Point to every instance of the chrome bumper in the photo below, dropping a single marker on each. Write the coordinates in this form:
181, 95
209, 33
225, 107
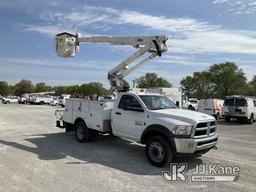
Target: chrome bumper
186, 145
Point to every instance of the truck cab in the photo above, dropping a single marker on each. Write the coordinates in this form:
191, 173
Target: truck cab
150, 119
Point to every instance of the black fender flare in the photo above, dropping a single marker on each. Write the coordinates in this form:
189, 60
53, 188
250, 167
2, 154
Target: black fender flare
162, 130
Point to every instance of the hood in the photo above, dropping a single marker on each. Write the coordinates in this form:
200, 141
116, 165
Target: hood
187, 116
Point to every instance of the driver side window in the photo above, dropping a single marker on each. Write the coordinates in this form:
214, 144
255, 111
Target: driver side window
129, 102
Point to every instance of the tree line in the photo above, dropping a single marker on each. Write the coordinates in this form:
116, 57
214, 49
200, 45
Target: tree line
219, 81
26, 86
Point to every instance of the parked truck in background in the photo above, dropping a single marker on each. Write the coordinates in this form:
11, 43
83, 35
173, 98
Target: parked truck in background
148, 118
41, 98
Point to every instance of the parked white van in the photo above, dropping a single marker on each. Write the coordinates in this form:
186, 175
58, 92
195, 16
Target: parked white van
240, 107
212, 107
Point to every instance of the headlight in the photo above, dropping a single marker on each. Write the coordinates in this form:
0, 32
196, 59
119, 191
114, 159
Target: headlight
182, 130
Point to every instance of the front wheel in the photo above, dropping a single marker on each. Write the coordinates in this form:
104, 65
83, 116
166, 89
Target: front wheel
158, 151
251, 119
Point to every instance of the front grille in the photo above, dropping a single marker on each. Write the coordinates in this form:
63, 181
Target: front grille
203, 129
200, 132
200, 125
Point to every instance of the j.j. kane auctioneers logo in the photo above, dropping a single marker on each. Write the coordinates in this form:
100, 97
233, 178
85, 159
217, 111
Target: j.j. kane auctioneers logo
201, 173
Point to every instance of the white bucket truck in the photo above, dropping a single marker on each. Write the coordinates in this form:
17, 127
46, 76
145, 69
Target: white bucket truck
150, 119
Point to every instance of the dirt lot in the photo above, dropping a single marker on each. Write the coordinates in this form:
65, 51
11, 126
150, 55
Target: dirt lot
36, 156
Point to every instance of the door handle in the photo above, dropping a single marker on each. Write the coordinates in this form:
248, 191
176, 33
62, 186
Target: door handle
118, 113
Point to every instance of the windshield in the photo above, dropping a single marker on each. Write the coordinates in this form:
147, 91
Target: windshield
155, 102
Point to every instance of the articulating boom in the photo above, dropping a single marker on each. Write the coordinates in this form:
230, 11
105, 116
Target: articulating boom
67, 45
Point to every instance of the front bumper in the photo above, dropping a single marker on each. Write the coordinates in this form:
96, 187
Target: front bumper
189, 145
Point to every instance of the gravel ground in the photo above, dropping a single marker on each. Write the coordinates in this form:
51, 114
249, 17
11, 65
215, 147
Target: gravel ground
36, 156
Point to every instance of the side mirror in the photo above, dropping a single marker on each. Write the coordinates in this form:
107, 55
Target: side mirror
138, 109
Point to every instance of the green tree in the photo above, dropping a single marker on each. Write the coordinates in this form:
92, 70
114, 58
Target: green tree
60, 90
219, 81
86, 89
228, 79
11, 89
92, 88
198, 86
24, 86
42, 87
72, 89
151, 80
252, 87
4, 88
188, 85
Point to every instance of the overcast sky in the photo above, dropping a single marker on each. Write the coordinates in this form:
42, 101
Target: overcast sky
201, 32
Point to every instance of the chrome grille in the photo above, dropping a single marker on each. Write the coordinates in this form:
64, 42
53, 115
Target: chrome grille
204, 129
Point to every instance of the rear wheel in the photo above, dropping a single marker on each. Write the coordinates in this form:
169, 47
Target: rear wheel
83, 133
41, 103
158, 151
251, 119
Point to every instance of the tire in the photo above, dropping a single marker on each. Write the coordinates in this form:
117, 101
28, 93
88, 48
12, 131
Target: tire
41, 103
8, 102
158, 151
83, 133
251, 119
227, 119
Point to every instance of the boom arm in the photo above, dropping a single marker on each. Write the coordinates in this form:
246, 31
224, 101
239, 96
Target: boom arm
67, 45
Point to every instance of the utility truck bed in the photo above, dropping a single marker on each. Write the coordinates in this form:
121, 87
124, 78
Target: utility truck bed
97, 114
